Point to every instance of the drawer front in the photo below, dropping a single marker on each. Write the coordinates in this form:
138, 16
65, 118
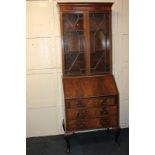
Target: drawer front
96, 123
85, 113
90, 102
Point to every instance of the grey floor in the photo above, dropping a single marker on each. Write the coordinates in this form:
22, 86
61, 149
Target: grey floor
92, 143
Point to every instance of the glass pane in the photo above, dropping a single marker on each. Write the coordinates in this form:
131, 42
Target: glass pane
74, 48
99, 37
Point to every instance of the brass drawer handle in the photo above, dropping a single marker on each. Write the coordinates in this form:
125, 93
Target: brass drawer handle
103, 101
79, 104
104, 112
80, 124
81, 114
104, 122
104, 107
108, 101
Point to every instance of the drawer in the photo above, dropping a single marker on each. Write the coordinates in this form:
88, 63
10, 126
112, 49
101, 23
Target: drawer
84, 113
90, 102
96, 123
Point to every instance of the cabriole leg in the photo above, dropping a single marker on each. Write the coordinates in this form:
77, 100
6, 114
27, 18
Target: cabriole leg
67, 139
108, 130
117, 134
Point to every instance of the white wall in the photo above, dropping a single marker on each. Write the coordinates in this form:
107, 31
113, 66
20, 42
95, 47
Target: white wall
44, 87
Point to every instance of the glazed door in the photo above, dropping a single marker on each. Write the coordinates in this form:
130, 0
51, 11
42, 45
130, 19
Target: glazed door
100, 48
86, 43
73, 43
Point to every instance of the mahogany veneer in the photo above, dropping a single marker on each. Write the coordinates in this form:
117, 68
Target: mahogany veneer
90, 91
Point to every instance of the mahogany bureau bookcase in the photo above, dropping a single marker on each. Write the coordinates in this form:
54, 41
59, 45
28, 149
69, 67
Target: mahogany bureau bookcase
90, 92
